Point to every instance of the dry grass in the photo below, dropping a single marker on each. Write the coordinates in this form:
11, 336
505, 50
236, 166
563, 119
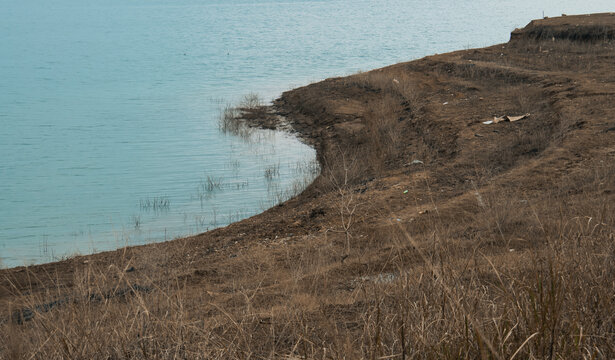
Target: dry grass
399, 85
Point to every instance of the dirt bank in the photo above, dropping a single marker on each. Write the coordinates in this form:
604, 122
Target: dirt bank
430, 230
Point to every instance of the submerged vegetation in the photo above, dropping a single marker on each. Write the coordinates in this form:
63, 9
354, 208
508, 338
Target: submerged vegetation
156, 204
136, 220
272, 171
232, 119
230, 123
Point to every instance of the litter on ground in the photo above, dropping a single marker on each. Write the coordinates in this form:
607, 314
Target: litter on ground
414, 162
497, 119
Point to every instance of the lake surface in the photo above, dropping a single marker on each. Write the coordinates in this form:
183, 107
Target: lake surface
109, 109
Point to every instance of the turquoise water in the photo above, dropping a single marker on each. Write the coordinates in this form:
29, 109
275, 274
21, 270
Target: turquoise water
109, 108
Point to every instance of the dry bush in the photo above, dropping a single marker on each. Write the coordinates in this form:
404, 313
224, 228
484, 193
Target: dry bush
236, 120
399, 100
342, 167
375, 80
250, 101
384, 135
398, 84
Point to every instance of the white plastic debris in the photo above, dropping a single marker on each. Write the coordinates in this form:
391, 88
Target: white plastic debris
497, 119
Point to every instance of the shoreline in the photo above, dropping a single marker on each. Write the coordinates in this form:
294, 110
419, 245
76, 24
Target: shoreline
289, 175
433, 181
278, 117
274, 117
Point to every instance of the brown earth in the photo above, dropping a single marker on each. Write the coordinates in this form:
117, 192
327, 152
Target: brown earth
429, 234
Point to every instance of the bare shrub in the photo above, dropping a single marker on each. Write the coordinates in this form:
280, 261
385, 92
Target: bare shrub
384, 136
398, 84
250, 101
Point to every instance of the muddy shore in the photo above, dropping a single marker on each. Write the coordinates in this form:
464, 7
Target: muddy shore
416, 183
